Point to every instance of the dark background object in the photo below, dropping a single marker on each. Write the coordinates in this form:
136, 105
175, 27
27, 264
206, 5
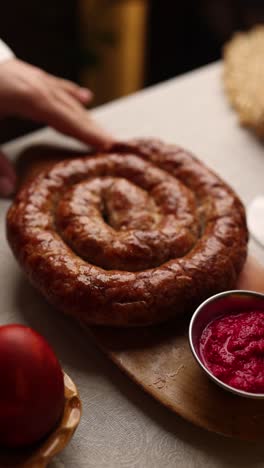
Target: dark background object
179, 39
187, 34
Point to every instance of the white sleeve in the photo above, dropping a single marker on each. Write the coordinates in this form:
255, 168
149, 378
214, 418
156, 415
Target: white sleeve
5, 52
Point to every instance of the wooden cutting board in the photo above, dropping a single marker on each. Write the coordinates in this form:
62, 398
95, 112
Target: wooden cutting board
159, 360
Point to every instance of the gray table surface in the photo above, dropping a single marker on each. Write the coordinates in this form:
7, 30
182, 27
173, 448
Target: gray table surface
121, 426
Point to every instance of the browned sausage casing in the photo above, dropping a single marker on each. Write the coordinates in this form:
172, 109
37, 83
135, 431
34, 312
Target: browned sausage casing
129, 237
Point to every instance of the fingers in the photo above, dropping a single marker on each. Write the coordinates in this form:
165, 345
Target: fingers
68, 116
7, 177
71, 118
79, 125
30, 92
82, 95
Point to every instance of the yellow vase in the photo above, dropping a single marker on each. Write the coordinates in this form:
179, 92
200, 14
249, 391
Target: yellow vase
119, 67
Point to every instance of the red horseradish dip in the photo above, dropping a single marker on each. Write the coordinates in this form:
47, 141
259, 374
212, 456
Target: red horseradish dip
232, 348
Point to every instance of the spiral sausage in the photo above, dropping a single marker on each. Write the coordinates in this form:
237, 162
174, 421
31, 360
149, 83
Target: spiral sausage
129, 237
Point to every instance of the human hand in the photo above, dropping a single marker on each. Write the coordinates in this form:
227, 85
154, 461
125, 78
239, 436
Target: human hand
27, 91
30, 92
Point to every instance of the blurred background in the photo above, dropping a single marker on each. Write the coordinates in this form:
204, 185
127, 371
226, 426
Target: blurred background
116, 47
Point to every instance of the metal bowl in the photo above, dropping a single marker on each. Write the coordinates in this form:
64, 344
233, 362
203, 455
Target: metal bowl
211, 309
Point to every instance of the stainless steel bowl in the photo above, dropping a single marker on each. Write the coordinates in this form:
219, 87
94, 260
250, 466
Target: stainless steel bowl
214, 307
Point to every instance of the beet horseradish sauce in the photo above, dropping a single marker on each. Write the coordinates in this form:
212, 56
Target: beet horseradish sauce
232, 349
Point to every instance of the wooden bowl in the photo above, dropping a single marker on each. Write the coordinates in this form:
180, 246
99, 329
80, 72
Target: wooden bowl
40, 455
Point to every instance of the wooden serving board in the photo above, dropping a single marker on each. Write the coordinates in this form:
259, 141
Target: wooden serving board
159, 359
